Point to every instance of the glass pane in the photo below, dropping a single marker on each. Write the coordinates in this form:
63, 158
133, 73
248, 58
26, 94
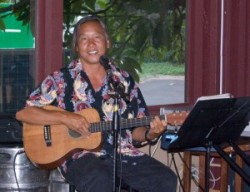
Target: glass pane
148, 40
16, 56
160, 90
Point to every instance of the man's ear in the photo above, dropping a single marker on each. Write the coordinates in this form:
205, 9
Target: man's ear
108, 44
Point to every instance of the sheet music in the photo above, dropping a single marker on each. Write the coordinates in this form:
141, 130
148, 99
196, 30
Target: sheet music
246, 132
220, 96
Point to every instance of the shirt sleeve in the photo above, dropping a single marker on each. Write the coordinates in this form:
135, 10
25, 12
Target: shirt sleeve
44, 94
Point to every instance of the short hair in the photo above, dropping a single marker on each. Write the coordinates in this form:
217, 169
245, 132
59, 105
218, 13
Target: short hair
82, 21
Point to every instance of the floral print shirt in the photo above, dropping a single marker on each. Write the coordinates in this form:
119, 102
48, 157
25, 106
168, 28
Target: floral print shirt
70, 89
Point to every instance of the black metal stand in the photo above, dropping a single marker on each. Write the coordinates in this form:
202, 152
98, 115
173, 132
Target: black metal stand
233, 164
207, 168
117, 92
116, 128
213, 124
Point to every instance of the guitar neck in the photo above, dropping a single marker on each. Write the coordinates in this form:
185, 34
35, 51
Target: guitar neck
124, 124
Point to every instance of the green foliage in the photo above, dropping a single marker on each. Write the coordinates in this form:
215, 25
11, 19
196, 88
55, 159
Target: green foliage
129, 64
153, 69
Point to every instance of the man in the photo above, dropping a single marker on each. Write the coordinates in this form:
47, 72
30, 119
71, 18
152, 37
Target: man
84, 84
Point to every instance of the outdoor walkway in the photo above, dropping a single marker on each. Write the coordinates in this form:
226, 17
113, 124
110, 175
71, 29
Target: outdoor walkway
163, 90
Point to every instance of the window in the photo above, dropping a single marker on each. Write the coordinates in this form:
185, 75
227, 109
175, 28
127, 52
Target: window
16, 57
148, 40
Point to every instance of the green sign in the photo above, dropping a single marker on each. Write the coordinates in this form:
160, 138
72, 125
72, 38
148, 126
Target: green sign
15, 34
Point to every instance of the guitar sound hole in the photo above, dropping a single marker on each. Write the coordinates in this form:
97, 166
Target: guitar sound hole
74, 133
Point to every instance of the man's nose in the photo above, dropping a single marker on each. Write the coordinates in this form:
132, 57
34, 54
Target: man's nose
91, 41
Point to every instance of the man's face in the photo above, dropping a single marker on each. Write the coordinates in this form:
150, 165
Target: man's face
92, 42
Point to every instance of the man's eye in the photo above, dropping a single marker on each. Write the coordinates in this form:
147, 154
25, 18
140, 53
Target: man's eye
98, 37
82, 39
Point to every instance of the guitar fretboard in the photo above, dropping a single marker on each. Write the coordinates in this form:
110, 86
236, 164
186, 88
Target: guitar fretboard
124, 124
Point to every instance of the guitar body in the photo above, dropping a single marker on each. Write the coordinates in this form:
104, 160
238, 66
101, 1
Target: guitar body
63, 142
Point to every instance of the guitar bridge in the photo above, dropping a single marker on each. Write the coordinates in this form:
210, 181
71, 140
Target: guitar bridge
47, 135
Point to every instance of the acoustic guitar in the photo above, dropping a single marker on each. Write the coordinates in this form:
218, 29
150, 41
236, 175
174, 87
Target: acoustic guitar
48, 145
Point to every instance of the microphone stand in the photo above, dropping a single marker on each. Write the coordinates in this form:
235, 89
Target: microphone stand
118, 92
115, 128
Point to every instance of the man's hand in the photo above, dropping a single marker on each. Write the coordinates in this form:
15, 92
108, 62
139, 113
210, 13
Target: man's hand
157, 127
76, 123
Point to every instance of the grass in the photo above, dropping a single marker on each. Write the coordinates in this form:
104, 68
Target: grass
158, 69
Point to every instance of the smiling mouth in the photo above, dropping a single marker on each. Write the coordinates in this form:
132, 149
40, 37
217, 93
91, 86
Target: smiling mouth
92, 52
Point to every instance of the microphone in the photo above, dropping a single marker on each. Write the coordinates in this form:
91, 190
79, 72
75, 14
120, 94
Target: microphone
114, 85
105, 62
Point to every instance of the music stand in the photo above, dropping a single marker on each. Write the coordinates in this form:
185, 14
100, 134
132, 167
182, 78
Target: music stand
214, 124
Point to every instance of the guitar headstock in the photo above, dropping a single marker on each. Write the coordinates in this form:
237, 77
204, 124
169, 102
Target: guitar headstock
176, 118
